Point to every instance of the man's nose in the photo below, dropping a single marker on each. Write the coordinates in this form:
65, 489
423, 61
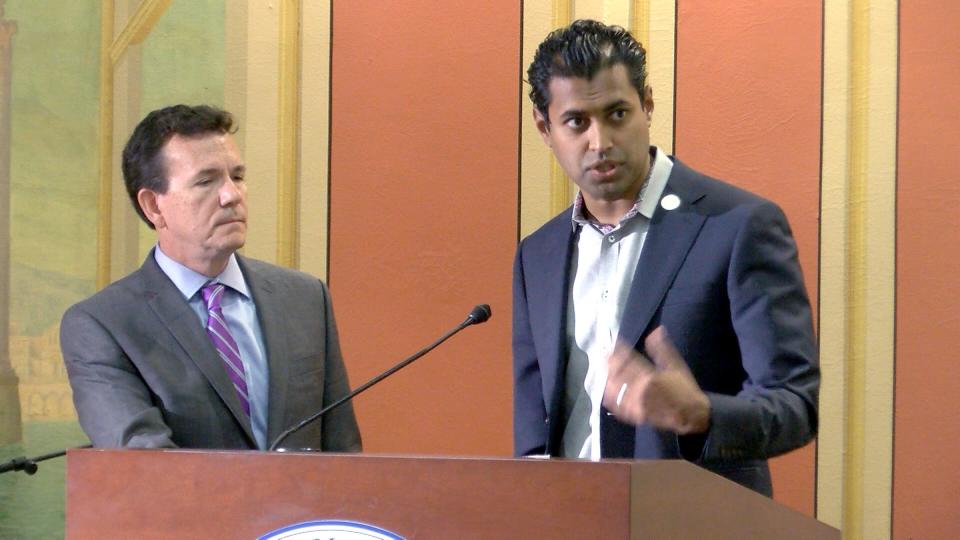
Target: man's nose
231, 192
599, 137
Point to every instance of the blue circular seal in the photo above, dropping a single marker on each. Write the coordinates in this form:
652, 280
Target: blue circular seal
329, 529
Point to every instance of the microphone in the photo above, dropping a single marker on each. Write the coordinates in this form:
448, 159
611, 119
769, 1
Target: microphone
29, 465
479, 314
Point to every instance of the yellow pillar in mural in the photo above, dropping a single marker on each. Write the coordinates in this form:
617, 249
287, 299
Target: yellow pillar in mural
9, 395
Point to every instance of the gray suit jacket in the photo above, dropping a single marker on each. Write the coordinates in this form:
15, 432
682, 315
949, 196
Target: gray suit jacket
144, 373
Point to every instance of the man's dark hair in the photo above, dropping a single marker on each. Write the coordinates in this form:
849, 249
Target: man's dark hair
581, 50
143, 164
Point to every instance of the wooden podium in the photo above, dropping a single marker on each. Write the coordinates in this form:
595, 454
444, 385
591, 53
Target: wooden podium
235, 495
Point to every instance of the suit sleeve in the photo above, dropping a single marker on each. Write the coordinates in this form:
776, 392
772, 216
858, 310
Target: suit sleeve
776, 410
113, 403
530, 428
340, 430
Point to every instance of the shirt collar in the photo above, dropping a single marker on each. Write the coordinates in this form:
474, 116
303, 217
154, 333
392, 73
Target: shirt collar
189, 281
647, 198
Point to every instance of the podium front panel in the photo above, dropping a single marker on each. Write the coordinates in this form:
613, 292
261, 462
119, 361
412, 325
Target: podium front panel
148, 494
186, 494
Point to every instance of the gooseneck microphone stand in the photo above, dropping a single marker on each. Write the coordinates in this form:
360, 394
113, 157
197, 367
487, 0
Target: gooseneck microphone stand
478, 315
29, 465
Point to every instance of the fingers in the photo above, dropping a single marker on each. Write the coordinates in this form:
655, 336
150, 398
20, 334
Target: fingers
626, 357
616, 387
622, 398
662, 393
625, 366
662, 352
627, 373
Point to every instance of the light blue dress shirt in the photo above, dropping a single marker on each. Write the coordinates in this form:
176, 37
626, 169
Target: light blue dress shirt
241, 315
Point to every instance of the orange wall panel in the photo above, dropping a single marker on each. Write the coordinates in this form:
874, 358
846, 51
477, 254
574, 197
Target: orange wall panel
423, 215
926, 472
748, 111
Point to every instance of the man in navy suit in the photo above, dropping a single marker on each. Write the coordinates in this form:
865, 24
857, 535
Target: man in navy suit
664, 315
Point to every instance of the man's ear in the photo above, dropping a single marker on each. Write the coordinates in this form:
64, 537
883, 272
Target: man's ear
648, 102
147, 200
543, 126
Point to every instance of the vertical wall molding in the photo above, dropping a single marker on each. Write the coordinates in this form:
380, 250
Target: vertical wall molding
314, 157
137, 28
654, 23
833, 261
262, 127
608, 11
105, 146
288, 147
126, 227
857, 261
536, 173
560, 189
879, 223
640, 21
855, 350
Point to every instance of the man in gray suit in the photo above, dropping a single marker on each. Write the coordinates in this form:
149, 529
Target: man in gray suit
201, 347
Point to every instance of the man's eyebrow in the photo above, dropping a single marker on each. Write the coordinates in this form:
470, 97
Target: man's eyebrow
570, 113
207, 171
617, 104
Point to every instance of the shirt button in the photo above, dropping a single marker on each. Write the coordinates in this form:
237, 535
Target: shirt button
611, 239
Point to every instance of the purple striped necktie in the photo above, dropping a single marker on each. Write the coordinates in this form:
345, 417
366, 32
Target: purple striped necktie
224, 343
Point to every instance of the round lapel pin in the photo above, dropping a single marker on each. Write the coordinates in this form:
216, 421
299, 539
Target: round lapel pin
670, 202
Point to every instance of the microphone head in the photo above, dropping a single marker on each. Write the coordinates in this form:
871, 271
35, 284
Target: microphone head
479, 314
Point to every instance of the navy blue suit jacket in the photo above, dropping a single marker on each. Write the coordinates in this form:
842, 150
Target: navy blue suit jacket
720, 272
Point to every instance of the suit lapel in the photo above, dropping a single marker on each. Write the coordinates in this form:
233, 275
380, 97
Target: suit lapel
167, 303
273, 320
669, 239
548, 297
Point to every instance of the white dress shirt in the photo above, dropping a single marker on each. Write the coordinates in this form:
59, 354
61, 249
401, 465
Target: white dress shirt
602, 268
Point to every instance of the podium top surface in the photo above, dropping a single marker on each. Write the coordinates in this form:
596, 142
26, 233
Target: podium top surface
246, 494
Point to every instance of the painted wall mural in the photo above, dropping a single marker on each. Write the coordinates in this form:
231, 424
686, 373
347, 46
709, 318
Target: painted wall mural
49, 119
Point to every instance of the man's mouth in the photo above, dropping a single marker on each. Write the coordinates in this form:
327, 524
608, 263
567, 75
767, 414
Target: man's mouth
604, 168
